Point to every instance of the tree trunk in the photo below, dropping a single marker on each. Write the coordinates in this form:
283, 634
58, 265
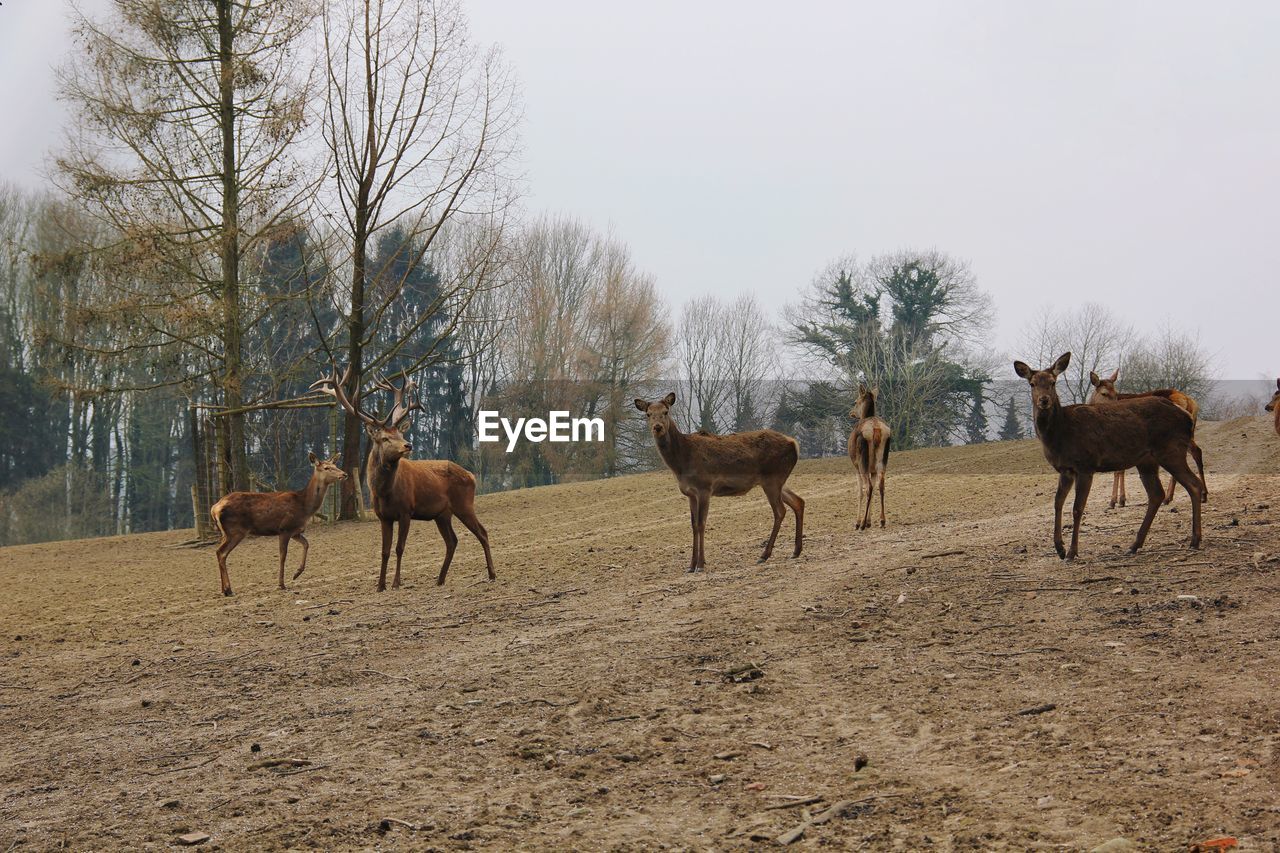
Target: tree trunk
233, 393
353, 426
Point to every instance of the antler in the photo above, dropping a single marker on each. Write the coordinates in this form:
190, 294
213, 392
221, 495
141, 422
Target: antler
400, 409
334, 384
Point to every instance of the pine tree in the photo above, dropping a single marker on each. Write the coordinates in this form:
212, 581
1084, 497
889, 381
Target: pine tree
1012, 429
976, 424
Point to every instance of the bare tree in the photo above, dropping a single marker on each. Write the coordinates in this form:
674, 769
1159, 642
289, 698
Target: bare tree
1169, 358
700, 349
750, 357
1096, 338
419, 124
187, 112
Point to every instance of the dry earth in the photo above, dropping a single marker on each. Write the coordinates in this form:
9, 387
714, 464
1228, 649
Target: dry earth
580, 702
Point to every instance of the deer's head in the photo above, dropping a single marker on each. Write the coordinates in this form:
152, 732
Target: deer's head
1275, 398
658, 413
1044, 383
327, 469
1104, 390
865, 405
385, 433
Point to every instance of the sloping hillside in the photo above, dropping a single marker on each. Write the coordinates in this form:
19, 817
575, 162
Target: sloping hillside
1000, 698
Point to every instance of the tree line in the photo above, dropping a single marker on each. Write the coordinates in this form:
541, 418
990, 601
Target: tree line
252, 190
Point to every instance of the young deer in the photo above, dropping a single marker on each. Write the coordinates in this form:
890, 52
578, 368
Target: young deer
1275, 409
405, 489
869, 450
282, 514
1104, 391
726, 466
1147, 433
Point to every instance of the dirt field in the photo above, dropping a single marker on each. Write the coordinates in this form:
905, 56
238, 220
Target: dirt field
581, 703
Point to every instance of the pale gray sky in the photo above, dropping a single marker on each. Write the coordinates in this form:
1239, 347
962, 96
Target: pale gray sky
1120, 152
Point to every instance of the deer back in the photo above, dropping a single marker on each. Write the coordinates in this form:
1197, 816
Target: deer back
739, 460
1117, 436
420, 488
261, 513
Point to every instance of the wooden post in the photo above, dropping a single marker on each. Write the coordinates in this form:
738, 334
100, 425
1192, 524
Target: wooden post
200, 484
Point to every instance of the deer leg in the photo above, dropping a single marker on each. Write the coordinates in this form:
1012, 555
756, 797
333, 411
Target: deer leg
869, 488
225, 547
1168, 494
881, 498
797, 506
386, 554
473, 524
1115, 488
306, 546
284, 552
1084, 481
1065, 480
402, 534
693, 525
773, 492
444, 523
1150, 475
1183, 474
704, 507
1199, 457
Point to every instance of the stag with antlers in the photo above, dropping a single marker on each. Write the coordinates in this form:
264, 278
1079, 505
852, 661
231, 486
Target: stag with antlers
404, 489
1147, 433
1104, 391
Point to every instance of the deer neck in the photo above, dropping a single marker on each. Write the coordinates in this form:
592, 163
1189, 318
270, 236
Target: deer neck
313, 494
381, 472
672, 447
1049, 421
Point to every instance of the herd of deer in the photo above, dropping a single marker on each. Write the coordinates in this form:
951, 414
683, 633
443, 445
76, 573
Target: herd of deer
1112, 432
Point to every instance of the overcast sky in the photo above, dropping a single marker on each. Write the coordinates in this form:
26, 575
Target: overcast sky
1124, 153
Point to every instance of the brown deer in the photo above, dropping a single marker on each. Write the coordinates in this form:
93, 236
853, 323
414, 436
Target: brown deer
1272, 407
869, 450
405, 489
1104, 391
282, 514
1147, 433
726, 466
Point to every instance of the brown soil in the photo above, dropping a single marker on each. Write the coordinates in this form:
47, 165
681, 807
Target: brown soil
580, 702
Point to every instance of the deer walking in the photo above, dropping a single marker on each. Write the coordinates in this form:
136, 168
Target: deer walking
1147, 433
1273, 408
1104, 391
282, 514
869, 451
726, 466
406, 489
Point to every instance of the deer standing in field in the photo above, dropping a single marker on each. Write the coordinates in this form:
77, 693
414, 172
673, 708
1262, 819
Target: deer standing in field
282, 514
869, 451
404, 489
1147, 433
1104, 391
1275, 409
726, 466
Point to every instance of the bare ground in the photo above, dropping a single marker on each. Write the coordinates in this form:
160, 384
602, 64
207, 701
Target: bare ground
581, 703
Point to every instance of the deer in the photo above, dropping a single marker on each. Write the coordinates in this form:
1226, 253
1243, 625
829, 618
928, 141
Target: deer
404, 490
1147, 433
726, 466
869, 451
282, 514
1104, 391
1273, 408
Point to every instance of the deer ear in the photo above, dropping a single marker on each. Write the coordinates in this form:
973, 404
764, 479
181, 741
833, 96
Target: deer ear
1060, 365
1094, 379
862, 387
1115, 374
1021, 368
313, 458
875, 390
670, 399
642, 405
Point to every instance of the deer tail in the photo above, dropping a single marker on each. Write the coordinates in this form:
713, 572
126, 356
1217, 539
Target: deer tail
215, 512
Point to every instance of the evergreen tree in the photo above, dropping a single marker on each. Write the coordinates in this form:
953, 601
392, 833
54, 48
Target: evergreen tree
976, 425
1012, 429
